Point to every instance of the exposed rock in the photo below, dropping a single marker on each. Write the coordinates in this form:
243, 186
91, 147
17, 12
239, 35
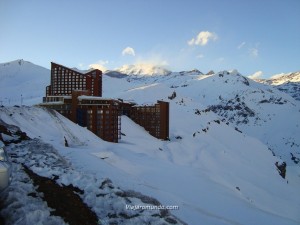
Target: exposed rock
281, 169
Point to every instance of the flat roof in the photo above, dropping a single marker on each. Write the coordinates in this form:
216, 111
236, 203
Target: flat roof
87, 97
59, 96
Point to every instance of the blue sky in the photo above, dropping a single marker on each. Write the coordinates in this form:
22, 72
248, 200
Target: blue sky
252, 36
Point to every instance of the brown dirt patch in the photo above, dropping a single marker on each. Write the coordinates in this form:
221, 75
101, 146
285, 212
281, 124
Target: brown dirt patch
64, 200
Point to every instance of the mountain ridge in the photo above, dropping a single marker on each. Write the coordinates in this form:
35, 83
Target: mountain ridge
288, 83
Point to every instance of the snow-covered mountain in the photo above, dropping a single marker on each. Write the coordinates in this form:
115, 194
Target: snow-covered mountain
22, 81
288, 83
291, 88
253, 107
284, 78
226, 134
143, 69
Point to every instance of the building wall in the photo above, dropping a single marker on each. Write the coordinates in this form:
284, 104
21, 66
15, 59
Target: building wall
164, 119
102, 117
155, 118
62, 108
64, 80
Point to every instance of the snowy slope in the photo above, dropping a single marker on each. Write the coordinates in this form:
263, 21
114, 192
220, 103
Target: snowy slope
22, 78
288, 83
284, 78
206, 173
26, 202
291, 88
258, 110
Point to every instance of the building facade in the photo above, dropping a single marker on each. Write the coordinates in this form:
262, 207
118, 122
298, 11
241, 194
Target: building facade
99, 115
64, 80
154, 118
77, 96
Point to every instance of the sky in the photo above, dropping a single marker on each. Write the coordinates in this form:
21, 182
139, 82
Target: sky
256, 37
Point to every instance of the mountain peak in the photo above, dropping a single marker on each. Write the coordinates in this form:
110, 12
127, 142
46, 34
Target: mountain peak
143, 69
19, 62
284, 78
211, 72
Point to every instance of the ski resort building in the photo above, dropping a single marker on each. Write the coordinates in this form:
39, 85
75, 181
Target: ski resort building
64, 80
154, 118
99, 115
77, 96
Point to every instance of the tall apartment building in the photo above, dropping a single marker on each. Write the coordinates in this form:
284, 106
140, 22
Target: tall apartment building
64, 80
77, 96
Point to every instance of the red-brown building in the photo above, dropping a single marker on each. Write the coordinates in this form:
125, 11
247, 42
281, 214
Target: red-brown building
99, 115
77, 96
64, 80
154, 118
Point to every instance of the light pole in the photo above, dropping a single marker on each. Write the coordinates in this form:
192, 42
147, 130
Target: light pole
21, 99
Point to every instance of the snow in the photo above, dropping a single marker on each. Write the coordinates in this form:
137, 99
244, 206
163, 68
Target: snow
43, 159
199, 174
21, 76
283, 78
214, 173
288, 83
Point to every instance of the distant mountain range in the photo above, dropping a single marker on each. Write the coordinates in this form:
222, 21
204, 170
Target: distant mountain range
288, 83
143, 69
18, 77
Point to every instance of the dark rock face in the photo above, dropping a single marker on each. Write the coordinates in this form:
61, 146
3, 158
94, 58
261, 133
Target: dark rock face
15, 134
281, 169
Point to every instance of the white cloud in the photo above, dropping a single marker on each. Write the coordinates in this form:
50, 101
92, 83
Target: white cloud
241, 45
253, 52
200, 56
128, 51
203, 38
100, 65
256, 75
